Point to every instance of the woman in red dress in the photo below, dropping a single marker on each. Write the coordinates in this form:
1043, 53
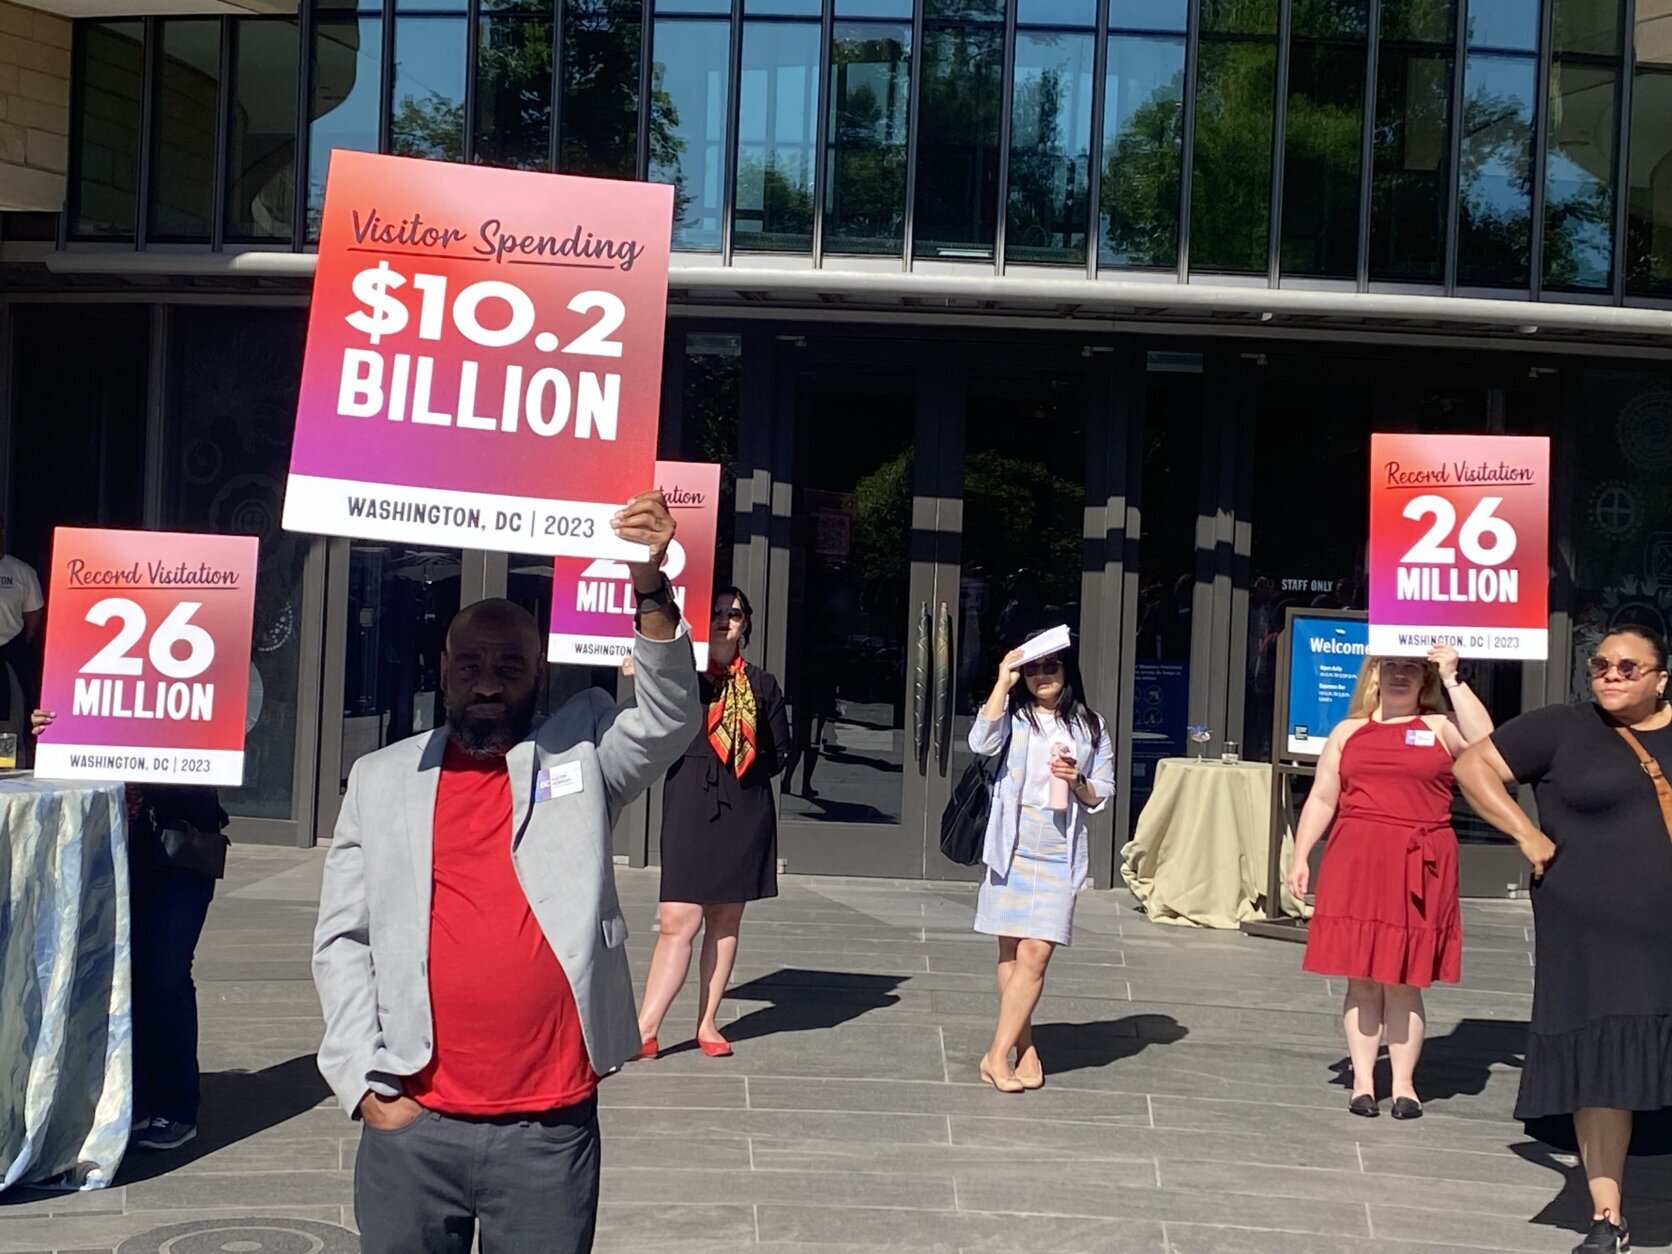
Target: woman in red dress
1386, 916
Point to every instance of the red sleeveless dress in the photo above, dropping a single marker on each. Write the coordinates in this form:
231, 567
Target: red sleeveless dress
1387, 897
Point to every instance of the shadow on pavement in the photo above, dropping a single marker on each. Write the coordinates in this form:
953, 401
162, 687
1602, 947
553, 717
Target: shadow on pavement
236, 1105
1570, 1209
1458, 1064
806, 1001
1067, 1047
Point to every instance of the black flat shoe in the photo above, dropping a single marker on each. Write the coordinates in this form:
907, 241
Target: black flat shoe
1364, 1104
1407, 1108
1604, 1238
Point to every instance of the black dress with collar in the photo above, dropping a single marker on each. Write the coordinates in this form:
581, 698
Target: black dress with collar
719, 832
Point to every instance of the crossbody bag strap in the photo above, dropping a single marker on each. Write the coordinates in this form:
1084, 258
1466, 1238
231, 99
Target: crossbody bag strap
1651, 768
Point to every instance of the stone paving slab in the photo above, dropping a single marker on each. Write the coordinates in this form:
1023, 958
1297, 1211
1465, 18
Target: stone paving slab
1196, 1101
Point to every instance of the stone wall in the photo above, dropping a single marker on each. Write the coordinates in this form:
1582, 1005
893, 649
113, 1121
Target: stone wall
34, 108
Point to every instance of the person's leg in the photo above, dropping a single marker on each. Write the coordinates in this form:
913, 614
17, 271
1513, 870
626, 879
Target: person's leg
1027, 1059
538, 1187
719, 955
1016, 1004
1604, 1136
183, 907
1362, 1020
146, 898
679, 921
411, 1187
1402, 1017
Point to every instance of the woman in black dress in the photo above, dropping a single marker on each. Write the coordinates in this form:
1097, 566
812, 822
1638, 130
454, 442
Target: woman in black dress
719, 827
1598, 1073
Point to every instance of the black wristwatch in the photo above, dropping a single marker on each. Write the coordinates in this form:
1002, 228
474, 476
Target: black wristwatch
657, 598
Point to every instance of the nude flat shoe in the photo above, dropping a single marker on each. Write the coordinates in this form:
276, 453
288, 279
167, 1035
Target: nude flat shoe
1003, 1083
1031, 1077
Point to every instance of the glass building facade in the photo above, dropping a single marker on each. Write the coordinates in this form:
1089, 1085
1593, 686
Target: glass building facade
1499, 146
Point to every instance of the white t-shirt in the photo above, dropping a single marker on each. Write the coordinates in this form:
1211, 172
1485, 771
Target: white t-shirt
20, 594
1036, 783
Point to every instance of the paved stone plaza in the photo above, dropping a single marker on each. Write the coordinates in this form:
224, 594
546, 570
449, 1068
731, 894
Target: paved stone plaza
1195, 1106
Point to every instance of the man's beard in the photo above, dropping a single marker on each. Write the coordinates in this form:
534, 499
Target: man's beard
490, 737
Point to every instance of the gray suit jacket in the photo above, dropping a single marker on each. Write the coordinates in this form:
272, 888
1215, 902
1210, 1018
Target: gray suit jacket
371, 946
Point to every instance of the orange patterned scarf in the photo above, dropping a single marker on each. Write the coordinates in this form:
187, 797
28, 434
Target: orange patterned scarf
731, 717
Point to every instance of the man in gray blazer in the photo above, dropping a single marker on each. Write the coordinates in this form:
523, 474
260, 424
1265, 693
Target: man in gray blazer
470, 949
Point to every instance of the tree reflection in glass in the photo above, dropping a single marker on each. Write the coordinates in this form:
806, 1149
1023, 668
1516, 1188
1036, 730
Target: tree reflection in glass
1050, 148
865, 183
514, 93
1143, 144
777, 119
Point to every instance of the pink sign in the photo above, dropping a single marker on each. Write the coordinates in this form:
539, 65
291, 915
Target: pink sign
147, 656
592, 602
484, 357
1460, 545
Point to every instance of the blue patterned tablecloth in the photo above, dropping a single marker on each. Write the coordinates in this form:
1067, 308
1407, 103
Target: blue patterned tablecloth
65, 1009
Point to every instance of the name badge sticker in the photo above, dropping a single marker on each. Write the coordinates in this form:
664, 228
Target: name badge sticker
558, 781
1420, 737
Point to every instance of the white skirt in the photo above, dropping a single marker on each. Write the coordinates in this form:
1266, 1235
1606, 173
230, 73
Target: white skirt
1035, 901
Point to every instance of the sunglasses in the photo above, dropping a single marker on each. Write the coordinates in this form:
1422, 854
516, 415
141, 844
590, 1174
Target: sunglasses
1629, 668
731, 615
1048, 667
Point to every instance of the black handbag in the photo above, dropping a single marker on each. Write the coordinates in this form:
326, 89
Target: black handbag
964, 821
193, 849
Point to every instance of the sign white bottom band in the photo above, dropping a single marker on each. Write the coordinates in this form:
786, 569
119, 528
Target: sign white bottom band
1527, 644
570, 649
140, 764
470, 520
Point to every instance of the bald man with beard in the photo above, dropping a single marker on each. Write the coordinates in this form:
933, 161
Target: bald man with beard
470, 953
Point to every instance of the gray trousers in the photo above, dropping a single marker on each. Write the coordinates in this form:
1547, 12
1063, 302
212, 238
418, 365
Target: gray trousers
521, 1185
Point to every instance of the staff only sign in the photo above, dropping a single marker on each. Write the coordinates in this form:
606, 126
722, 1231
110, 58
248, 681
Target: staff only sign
147, 656
1460, 545
592, 602
484, 357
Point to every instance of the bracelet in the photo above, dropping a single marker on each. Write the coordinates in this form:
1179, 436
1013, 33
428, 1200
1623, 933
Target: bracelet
1455, 685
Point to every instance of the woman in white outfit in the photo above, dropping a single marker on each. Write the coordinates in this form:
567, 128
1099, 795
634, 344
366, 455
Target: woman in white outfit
1059, 768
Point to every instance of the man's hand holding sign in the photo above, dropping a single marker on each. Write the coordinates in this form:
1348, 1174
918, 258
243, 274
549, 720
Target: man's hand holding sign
646, 521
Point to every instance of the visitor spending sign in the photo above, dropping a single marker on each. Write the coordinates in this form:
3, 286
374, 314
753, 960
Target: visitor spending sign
147, 656
593, 601
1460, 545
484, 357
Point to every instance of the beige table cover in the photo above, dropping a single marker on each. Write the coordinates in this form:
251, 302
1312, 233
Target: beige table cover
1200, 853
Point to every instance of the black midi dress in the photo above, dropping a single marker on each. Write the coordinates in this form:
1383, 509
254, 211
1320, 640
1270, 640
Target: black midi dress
1601, 1034
719, 832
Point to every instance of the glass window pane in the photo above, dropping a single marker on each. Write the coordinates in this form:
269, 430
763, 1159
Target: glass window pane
109, 73
693, 8
1239, 17
1230, 197
347, 90
1166, 15
777, 143
261, 132
1050, 149
514, 92
427, 110
874, 8
958, 143
427, 6
1412, 154
1143, 144
1591, 26
1579, 175
1056, 12
1321, 159
1324, 19
865, 167
1419, 21
600, 118
183, 136
1494, 243
1649, 203
963, 11
689, 73
782, 8
1504, 24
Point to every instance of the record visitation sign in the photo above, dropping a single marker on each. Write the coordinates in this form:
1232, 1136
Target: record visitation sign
484, 357
593, 601
1460, 545
147, 656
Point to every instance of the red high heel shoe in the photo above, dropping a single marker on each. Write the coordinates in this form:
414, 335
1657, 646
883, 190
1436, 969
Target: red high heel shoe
647, 1050
714, 1049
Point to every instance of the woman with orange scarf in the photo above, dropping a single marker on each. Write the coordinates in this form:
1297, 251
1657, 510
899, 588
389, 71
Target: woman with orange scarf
719, 828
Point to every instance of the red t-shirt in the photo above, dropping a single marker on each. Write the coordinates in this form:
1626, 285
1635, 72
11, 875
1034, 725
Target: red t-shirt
507, 1034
